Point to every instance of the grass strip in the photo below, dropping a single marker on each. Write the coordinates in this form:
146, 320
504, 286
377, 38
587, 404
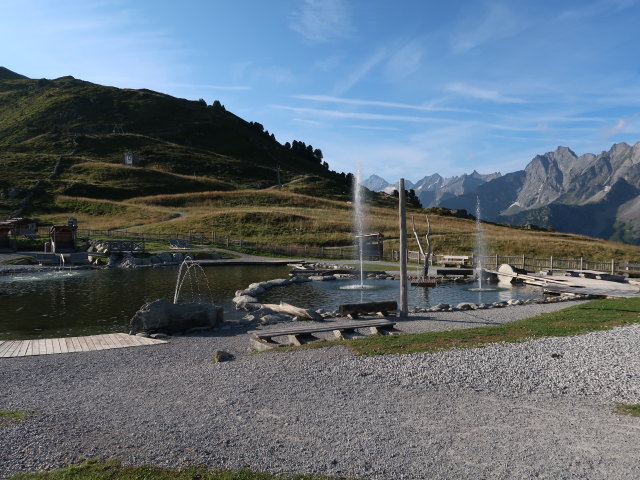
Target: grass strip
7, 417
628, 409
114, 470
588, 317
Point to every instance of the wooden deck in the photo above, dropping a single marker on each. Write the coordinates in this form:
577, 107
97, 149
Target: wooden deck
90, 343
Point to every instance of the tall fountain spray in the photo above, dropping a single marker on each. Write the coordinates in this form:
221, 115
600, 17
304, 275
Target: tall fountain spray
358, 221
480, 250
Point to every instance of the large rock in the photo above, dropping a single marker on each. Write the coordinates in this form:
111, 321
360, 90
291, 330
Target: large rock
169, 317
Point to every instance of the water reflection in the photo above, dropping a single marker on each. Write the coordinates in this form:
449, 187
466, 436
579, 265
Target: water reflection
83, 302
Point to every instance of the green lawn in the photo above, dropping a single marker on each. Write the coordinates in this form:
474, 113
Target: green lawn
588, 317
113, 470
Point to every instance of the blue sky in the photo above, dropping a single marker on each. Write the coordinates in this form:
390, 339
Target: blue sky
404, 88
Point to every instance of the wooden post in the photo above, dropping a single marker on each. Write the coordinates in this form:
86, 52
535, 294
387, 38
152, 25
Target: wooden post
404, 307
612, 266
497, 265
551, 263
523, 261
581, 264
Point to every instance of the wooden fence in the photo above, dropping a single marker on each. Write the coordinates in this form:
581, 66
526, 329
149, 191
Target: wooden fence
531, 264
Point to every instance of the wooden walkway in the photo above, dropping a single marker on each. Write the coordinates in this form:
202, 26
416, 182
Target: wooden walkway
90, 343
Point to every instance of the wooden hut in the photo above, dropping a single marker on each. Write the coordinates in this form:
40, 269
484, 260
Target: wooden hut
372, 246
24, 226
7, 237
63, 238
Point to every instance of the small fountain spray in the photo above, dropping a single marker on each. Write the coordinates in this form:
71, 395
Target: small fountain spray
358, 230
191, 271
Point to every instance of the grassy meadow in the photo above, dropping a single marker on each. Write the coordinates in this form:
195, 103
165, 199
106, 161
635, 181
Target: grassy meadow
284, 217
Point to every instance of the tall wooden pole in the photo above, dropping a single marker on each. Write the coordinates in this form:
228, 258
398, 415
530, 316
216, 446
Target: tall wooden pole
404, 306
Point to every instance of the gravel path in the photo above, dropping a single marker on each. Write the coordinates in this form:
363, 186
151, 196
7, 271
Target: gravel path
540, 409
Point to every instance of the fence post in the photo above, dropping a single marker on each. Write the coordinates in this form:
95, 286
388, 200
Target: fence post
551, 263
612, 266
523, 261
581, 264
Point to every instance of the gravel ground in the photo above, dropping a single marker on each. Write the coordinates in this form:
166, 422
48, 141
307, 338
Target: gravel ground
541, 409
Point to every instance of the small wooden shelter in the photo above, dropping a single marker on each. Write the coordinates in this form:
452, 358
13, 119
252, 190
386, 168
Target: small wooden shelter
24, 226
132, 159
372, 245
63, 238
7, 237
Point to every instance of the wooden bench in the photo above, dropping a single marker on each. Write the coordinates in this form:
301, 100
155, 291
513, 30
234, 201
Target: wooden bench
352, 310
299, 335
456, 260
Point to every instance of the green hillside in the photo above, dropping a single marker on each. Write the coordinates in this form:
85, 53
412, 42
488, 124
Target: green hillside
68, 137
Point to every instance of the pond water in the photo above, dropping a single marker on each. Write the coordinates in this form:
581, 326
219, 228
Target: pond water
84, 302
331, 294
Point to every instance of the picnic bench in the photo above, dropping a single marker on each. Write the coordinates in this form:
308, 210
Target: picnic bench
299, 335
352, 310
456, 260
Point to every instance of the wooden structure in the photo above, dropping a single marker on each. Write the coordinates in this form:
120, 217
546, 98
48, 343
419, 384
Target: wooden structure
90, 343
7, 237
23, 226
457, 260
423, 282
402, 214
132, 159
63, 238
352, 310
295, 336
372, 246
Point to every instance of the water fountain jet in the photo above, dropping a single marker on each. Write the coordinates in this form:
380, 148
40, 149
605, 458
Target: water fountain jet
479, 252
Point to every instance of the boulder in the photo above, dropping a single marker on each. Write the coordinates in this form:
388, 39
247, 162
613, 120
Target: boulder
246, 302
466, 306
171, 318
166, 257
440, 307
275, 318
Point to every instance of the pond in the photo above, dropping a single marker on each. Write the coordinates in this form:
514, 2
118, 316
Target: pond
85, 302
331, 294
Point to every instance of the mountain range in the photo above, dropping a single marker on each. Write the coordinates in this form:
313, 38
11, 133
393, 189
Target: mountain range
595, 195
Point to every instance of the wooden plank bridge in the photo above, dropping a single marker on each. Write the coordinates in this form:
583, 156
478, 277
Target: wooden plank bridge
89, 343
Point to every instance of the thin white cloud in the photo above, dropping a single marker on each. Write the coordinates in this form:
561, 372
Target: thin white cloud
405, 61
497, 22
629, 125
254, 72
481, 93
355, 115
377, 103
598, 8
370, 127
322, 21
359, 72
231, 88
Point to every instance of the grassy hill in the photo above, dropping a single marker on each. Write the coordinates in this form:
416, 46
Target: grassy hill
71, 136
